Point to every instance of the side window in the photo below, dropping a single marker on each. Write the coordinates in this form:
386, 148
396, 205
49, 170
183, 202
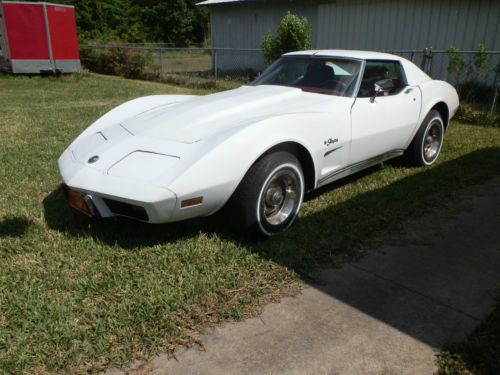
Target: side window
377, 71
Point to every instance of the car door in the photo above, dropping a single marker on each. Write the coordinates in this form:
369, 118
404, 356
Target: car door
383, 125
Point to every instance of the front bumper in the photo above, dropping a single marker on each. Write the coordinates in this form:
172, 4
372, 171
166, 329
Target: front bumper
111, 196
95, 206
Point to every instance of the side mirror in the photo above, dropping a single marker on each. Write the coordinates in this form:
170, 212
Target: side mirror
384, 85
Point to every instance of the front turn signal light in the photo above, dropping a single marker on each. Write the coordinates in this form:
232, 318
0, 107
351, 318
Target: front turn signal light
192, 202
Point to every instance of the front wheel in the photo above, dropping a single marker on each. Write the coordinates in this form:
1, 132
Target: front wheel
426, 146
269, 197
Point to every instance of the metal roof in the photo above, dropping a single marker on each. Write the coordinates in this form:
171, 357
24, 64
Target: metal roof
212, 2
36, 3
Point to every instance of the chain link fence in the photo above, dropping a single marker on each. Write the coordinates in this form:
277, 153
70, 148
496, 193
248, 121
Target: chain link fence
199, 67
194, 67
476, 74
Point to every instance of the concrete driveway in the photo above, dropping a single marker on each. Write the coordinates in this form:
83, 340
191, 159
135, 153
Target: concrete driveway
386, 314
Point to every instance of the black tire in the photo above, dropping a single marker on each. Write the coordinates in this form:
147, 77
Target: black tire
268, 199
427, 143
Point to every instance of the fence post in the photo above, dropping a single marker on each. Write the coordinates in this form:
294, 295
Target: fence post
429, 64
216, 67
422, 63
496, 87
161, 63
216, 73
426, 60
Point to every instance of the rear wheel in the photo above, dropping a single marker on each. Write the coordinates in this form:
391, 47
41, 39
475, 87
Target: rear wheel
426, 146
269, 197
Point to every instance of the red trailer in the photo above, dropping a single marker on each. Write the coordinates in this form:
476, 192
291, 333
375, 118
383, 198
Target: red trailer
38, 38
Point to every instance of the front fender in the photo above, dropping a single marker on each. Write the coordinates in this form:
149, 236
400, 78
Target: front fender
226, 159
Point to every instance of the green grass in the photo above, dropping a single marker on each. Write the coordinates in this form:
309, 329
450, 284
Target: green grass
80, 296
183, 61
478, 354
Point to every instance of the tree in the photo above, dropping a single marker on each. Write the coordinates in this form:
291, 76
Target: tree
178, 22
294, 34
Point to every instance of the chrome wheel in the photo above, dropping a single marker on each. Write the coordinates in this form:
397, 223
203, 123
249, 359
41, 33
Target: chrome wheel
280, 197
426, 145
267, 200
432, 141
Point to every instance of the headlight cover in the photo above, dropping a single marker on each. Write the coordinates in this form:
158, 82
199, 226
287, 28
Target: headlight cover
143, 166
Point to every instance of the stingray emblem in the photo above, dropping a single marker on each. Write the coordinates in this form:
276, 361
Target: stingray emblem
93, 159
330, 141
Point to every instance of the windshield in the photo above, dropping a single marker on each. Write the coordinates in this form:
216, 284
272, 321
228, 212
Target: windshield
323, 75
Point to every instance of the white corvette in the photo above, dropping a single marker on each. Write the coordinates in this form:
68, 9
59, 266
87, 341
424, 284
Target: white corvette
311, 118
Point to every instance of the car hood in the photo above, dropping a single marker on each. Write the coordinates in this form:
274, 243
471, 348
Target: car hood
201, 117
177, 131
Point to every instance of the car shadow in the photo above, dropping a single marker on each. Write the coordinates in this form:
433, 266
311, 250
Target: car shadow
127, 233
131, 234
14, 226
308, 236
328, 237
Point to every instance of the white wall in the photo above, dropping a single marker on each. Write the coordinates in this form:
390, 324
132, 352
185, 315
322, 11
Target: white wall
362, 24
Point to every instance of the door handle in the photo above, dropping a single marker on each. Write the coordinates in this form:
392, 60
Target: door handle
407, 91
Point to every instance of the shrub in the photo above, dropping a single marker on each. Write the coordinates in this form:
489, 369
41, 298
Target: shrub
467, 76
294, 34
89, 59
471, 114
114, 60
130, 64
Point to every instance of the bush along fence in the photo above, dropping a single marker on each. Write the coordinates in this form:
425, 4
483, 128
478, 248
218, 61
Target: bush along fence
192, 67
475, 74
